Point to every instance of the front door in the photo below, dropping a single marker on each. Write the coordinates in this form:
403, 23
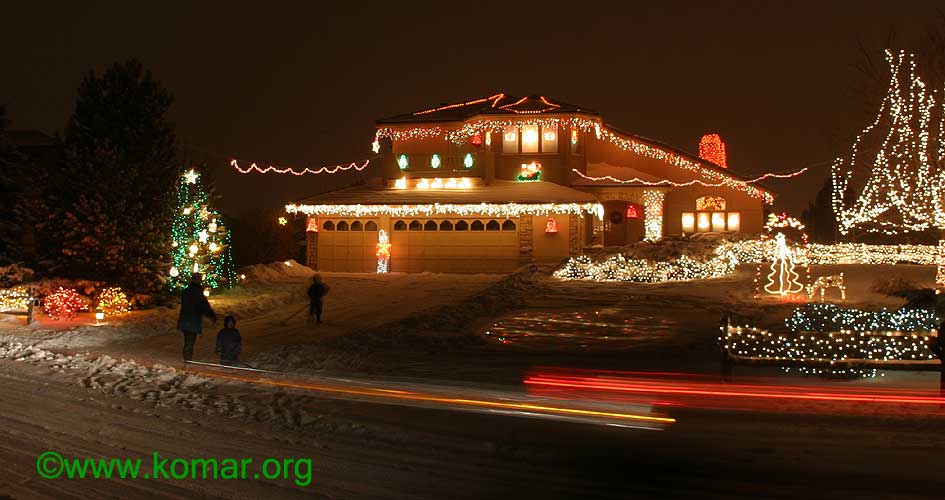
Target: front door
623, 223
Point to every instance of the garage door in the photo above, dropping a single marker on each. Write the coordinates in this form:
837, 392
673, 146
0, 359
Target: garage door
347, 245
454, 245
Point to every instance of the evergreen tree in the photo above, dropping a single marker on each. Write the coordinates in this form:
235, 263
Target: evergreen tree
11, 165
200, 240
108, 205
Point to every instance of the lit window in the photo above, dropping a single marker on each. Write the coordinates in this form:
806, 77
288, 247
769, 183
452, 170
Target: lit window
710, 203
510, 140
702, 219
734, 221
549, 140
530, 138
435, 161
688, 222
402, 162
718, 221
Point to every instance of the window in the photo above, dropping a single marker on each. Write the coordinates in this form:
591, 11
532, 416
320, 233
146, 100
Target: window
530, 138
718, 221
343, 226
510, 140
462, 226
702, 222
549, 140
328, 226
688, 222
415, 225
400, 226
370, 226
477, 225
709, 203
403, 162
430, 226
508, 225
357, 226
446, 226
435, 161
574, 140
492, 225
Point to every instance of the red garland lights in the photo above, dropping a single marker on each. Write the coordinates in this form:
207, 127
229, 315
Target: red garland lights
64, 304
333, 169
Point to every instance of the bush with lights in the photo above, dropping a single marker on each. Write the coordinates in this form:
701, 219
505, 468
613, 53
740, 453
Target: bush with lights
200, 242
113, 301
64, 304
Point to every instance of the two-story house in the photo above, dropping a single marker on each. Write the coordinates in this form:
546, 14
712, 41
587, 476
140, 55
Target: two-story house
490, 184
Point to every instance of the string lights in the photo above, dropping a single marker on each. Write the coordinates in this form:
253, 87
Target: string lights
113, 301
200, 241
63, 304
782, 280
620, 268
902, 189
382, 252
530, 172
695, 182
824, 283
16, 299
479, 126
333, 169
653, 214
832, 318
504, 210
712, 148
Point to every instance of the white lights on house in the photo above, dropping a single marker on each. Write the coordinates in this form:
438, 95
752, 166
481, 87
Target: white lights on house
504, 210
653, 214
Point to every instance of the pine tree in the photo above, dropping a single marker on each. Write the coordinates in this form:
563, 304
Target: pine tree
106, 207
199, 239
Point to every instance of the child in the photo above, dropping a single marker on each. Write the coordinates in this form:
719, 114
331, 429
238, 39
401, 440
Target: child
229, 342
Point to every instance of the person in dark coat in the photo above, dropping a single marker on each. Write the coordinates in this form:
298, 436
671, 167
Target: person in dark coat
315, 294
229, 342
193, 307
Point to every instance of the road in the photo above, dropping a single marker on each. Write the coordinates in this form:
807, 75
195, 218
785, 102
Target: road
367, 450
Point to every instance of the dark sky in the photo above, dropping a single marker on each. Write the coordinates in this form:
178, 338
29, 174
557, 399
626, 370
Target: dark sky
300, 83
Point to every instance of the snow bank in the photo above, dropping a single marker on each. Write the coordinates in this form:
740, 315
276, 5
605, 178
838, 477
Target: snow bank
289, 270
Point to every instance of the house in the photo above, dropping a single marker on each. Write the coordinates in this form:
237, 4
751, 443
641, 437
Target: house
490, 184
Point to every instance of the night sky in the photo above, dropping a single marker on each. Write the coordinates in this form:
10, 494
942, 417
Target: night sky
299, 83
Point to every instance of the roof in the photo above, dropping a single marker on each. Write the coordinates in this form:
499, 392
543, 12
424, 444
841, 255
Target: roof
495, 105
497, 192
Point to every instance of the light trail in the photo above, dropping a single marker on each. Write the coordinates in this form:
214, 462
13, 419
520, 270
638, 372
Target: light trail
732, 390
403, 395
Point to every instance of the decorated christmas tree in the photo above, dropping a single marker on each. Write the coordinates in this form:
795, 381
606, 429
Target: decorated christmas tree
199, 239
